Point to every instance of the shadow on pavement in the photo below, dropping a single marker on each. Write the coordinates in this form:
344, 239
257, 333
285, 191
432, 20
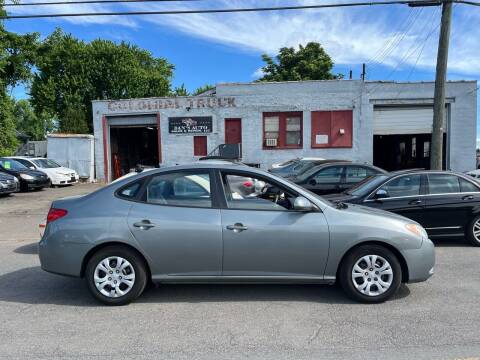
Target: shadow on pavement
29, 249
35, 286
451, 242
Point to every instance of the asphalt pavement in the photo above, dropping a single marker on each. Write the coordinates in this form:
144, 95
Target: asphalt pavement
45, 316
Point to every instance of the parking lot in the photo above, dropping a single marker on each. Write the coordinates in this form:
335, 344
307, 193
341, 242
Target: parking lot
46, 316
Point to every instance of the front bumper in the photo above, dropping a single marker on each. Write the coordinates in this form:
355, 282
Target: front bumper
65, 180
8, 188
36, 184
420, 262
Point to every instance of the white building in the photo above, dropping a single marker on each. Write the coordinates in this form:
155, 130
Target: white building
385, 123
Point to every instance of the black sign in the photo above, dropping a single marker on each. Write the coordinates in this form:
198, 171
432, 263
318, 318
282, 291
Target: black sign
190, 125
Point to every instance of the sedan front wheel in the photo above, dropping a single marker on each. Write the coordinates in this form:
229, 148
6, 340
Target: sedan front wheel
370, 273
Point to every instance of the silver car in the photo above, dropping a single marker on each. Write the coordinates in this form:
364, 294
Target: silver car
189, 224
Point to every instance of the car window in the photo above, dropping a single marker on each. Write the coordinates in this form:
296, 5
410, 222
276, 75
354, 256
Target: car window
252, 193
46, 163
355, 174
24, 162
131, 190
331, 174
467, 186
406, 185
11, 164
180, 189
443, 183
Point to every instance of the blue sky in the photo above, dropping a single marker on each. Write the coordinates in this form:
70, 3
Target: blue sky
396, 42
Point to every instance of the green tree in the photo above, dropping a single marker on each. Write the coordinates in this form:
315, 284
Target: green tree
17, 56
8, 140
309, 62
180, 91
202, 89
71, 73
28, 122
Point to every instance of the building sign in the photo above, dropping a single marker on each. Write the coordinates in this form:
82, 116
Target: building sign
171, 103
321, 139
190, 125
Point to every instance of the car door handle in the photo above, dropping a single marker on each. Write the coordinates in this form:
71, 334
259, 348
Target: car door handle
144, 225
468, 197
415, 202
237, 227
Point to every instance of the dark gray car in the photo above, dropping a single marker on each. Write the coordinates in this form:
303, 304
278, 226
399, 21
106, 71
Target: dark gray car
192, 224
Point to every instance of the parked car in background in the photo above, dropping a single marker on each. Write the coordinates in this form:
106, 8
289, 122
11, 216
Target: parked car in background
8, 184
445, 203
29, 179
295, 166
189, 224
335, 177
474, 174
57, 174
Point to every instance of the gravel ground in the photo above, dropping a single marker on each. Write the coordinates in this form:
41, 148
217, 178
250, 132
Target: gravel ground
45, 316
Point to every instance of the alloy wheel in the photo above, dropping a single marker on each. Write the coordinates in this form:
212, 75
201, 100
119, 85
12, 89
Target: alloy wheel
372, 275
476, 230
114, 276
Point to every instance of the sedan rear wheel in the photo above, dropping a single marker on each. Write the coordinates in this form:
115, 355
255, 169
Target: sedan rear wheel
370, 273
116, 275
473, 233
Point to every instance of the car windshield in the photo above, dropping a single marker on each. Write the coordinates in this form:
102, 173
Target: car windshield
366, 185
45, 163
11, 164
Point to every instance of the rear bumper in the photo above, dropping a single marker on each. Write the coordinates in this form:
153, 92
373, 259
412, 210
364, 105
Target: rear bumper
420, 262
60, 256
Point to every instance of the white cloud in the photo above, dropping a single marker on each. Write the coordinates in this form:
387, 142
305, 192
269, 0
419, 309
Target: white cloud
74, 8
397, 35
350, 35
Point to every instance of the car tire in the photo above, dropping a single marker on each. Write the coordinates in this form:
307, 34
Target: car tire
370, 286
474, 226
132, 263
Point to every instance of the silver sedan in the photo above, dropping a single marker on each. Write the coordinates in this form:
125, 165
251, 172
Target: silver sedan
196, 224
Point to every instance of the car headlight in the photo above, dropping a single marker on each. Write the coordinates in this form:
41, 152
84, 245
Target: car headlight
26, 177
417, 230
15, 180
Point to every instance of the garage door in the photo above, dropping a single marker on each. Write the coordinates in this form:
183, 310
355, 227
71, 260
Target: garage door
392, 120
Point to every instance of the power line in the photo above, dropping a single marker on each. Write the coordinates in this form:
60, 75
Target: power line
233, 10
90, 2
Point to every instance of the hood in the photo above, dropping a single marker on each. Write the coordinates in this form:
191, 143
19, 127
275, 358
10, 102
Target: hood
360, 209
4, 176
342, 197
60, 170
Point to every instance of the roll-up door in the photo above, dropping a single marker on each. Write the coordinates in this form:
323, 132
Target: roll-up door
395, 120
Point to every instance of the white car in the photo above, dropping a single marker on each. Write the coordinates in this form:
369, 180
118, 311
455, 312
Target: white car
58, 174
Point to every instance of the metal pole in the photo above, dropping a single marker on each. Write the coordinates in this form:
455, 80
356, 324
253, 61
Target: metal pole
436, 153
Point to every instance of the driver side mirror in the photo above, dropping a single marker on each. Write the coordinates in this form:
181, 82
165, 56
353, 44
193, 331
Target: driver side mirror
312, 182
380, 194
32, 167
302, 204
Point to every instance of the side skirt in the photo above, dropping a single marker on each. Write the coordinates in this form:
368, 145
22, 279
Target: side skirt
242, 280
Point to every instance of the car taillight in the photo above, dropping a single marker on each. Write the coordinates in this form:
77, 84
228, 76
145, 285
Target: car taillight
54, 214
248, 184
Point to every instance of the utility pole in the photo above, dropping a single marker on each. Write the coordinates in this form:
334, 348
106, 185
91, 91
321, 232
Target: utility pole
436, 152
